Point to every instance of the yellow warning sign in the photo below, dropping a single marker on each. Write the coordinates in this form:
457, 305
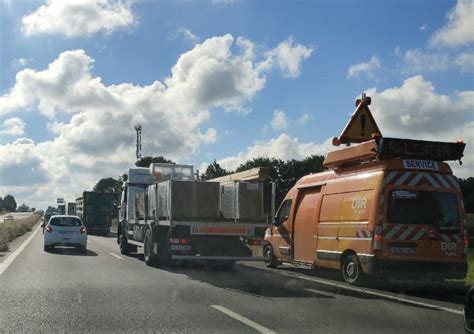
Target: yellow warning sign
361, 127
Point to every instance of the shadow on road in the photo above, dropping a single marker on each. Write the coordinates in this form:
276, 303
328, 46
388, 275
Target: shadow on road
71, 252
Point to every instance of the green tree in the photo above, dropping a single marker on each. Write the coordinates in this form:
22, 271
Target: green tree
146, 161
467, 189
8, 203
214, 170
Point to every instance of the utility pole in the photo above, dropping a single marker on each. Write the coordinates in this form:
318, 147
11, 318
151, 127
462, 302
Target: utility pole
138, 129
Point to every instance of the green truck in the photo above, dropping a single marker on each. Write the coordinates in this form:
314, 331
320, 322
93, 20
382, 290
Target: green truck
96, 210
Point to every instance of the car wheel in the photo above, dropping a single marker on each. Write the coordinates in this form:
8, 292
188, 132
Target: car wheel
271, 261
150, 258
351, 269
47, 248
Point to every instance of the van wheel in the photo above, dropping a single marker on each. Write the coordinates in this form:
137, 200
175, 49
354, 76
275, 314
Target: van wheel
271, 261
351, 269
150, 258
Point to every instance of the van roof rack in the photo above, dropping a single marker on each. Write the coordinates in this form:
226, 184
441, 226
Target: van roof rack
383, 148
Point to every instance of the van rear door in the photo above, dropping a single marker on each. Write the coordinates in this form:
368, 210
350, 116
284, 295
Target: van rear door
423, 225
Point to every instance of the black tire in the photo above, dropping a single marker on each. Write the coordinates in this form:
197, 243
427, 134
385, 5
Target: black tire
271, 261
83, 249
351, 269
124, 245
47, 248
150, 258
227, 265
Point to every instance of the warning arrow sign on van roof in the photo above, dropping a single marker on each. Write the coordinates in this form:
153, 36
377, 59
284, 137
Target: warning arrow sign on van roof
361, 127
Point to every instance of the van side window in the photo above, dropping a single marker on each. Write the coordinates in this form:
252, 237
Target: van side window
283, 212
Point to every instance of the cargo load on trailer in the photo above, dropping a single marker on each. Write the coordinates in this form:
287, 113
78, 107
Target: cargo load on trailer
387, 207
177, 218
96, 210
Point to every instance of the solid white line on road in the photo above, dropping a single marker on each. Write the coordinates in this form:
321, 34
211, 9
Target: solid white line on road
9, 260
242, 319
370, 293
117, 256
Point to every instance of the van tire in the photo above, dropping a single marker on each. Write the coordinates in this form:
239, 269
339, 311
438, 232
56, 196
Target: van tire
351, 269
150, 258
271, 261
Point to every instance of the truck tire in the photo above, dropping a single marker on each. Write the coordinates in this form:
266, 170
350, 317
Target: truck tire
351, 269
150, 258
124, 245
271, 261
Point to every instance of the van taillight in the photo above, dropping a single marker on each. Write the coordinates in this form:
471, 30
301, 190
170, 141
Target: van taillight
466, 242
378, 238
82, 230
49, 229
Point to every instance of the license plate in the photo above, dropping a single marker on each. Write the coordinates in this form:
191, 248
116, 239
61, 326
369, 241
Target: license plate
402, 250
180, 247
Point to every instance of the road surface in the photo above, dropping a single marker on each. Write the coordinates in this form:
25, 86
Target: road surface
104, 291
16, 215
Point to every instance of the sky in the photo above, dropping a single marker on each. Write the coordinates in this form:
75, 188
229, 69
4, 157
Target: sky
219, 80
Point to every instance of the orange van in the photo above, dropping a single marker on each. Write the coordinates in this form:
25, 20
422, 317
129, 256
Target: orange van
387, 207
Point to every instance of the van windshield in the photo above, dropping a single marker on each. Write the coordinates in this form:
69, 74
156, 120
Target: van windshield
438, 209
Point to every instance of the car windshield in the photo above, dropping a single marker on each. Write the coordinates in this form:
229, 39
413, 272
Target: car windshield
438, 209
65, 222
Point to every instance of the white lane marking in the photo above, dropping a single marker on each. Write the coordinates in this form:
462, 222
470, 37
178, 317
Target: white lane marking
372, 293
117, 256
9, 260
242, 319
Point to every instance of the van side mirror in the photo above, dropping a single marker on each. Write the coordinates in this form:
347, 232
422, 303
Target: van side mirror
469, 312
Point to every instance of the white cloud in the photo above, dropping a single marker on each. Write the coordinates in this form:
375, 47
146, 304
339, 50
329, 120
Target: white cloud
92, 122
279, 120
459, 30
283, 147
423, 27
186, 34
304, 119
465, 61
13, 127
74, 18
21, 62
416, 60
367, 68
288, 57
210, 136
415, 110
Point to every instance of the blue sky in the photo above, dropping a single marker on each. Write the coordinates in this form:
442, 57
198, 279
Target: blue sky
309, 60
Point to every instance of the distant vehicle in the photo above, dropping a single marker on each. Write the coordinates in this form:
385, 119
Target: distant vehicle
65, 231
62, 209
48, 214
96, 210
388, 207
176, 218
8, 218
23, 208
71, 209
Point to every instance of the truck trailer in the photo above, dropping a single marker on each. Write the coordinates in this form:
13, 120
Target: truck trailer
177, 218
96, 210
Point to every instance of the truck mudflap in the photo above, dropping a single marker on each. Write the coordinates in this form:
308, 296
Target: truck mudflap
417, 269
217, 258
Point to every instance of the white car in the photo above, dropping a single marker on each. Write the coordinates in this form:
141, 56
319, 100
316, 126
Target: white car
65, 231
8, 218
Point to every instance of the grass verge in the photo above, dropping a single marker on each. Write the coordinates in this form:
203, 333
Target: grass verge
13, 229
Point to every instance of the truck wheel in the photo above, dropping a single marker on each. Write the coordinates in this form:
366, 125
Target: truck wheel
124, 246
150, 258
351, 269
271, 261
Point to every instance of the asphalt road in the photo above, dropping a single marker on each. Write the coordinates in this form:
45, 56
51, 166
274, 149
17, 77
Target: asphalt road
15, 215
103, 291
